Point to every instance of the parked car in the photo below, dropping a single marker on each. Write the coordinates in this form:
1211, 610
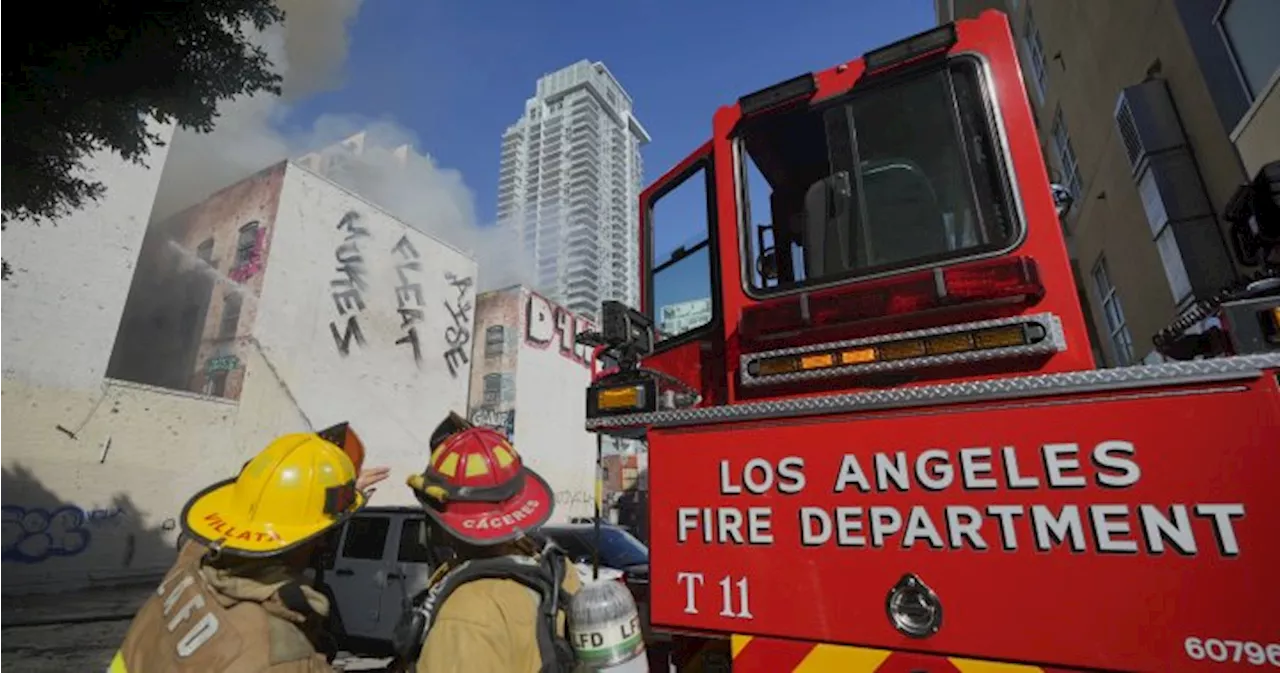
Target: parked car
381, 557
370, 569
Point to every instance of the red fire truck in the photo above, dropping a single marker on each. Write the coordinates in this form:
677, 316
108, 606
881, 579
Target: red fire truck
877, 437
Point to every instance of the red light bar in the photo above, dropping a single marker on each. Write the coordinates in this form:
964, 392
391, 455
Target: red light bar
1004, 279
1009, 277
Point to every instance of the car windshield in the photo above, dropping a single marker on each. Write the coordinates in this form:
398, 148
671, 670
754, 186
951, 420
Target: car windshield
618, 548
902, 174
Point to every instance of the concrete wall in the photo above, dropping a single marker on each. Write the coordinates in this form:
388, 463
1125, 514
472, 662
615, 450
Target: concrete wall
542, 403
494, 359
553, 376
96, 470
367, 321
63, 304
1257, 137
64, 485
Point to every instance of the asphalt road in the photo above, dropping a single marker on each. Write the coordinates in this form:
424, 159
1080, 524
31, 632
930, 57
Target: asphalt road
56, 648
60, 647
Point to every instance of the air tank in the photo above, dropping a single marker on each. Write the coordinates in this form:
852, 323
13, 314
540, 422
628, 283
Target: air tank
604, 628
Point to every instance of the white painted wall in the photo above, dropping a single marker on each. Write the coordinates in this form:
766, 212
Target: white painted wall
96, 471
62, 307
393, 401
551, 387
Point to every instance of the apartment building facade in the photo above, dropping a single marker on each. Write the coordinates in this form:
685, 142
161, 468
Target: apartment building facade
1152, 113
569, 182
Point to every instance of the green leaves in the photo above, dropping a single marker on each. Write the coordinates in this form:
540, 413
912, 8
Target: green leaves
73, 88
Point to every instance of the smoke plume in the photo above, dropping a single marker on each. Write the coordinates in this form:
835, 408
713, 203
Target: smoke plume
310, 51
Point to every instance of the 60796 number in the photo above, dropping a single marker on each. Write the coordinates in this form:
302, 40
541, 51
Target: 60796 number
1224, 650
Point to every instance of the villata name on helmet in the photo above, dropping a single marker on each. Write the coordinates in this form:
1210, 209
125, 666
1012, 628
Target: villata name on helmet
230, 532
850, 516
502, 521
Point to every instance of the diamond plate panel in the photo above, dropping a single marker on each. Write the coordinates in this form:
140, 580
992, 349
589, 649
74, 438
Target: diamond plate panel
1054, 341
1122, 378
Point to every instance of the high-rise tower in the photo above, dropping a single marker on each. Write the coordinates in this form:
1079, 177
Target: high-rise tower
569, 182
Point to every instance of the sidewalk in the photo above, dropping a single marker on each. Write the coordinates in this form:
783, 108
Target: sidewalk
86, 605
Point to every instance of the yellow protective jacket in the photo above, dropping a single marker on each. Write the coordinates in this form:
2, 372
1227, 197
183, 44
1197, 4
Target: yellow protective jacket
488, 626
251, 617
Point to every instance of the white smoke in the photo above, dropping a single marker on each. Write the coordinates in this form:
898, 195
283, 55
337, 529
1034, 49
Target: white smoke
310, 51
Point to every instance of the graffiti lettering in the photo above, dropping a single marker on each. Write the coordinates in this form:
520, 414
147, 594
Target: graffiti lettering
410, 315
502, 421
350, 283
458, 335
222, 363
246, 269
570, 498
33, 535
99, 516
546, 322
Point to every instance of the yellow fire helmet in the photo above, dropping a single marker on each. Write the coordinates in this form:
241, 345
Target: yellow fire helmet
294, 490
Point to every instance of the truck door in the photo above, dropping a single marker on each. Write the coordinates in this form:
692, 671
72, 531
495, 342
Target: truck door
360, 574
681, 265
412, 567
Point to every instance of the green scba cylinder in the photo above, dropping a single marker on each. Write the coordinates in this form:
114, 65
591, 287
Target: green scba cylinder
604, 628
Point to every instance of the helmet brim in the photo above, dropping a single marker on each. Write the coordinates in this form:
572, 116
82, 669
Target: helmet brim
209, 517
508, 520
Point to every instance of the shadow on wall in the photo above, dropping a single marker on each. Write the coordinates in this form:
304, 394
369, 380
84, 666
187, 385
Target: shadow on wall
47, 539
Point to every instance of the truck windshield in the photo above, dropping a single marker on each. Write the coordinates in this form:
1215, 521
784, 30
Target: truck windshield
903, 174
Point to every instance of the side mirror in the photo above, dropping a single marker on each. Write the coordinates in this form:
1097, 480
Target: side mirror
767, 264
1062, 199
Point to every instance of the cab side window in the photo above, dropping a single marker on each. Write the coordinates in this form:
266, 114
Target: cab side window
680, 239
415, 545
366, 538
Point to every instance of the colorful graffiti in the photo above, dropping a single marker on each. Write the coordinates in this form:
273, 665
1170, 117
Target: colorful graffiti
253, 264
410, 314
458, 335
351, 282
546, 322
222, 363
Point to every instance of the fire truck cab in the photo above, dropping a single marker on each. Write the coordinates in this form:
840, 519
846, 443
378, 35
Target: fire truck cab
877, 436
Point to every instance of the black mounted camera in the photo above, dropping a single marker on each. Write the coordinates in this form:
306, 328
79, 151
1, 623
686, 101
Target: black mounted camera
625, 333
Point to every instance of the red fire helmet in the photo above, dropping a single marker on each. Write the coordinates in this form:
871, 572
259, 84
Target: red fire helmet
477, 488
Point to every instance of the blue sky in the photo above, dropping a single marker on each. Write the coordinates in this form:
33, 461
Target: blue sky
457, 73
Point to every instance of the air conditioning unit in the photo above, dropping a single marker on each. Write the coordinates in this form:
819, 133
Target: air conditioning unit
1178, 210
1148, 122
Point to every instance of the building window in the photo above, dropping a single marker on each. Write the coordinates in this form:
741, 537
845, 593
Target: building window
1035, 56
508, 388
205, 251
1117, 328
1066, 155
230, 315
216, 384
1249, 29
246, 244
492, 389
495, 338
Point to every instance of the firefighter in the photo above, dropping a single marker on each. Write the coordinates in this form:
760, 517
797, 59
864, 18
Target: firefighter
491, 608
236, 599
